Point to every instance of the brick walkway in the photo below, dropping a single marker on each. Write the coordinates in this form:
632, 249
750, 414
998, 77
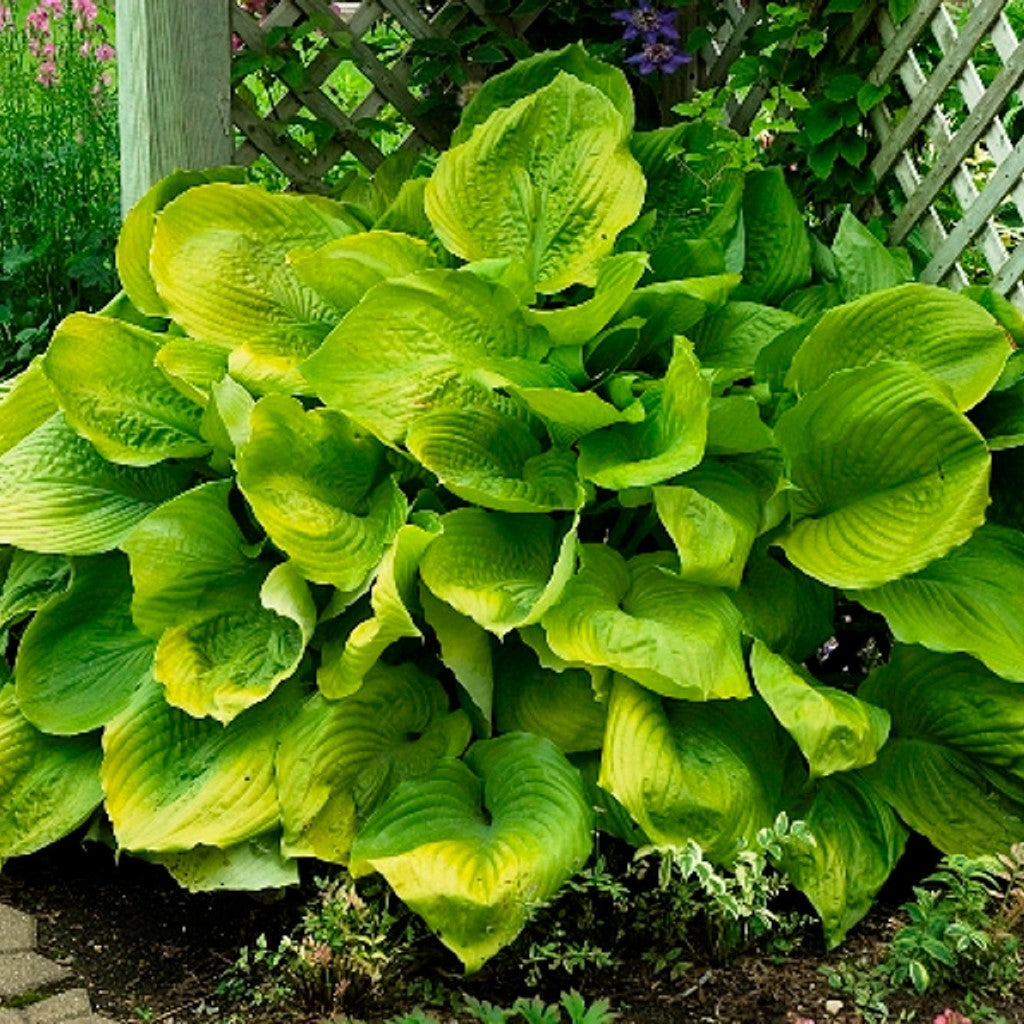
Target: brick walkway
24, 974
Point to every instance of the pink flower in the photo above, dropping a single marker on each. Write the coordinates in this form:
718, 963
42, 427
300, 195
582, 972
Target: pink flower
39, 20
57, 6
47, 73
6, 19
49, 49
949, 1016
84, 48
105, 52
85, 8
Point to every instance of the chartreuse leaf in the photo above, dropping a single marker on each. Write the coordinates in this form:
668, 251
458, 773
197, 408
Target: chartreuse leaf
526, 76
569, 415
193, 365
677, 638
394, 355
548, 180
51, 785
857, 842
173, 782
789, 611
500, 570
218, 260
558, 705
952, 766
673, 307
671, 438
472, 845
491, 457
225, 421
136, 238
219, 661
253, 865
834, 730
778, 250
81, 659
735, 426
342, 271
730, 338
346, 661
684, 770
113, 394
29, 581
26, 402
339, 760
609, 815
971, 600
59, 495
863, 263
212, 563
712, 515
888, 475
617, 276
949, 337
319, 490
466, 650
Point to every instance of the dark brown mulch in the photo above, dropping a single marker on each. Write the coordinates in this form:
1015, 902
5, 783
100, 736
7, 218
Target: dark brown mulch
148, 951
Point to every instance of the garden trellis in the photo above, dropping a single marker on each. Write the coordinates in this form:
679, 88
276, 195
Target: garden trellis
947, 167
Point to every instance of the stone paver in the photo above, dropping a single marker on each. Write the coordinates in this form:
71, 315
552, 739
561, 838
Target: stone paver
23, 972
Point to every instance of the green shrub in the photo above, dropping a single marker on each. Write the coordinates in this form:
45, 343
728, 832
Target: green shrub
417, 535
59, 212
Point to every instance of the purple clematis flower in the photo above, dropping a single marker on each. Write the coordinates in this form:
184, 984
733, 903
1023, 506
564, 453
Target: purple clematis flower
647, 23
661, 57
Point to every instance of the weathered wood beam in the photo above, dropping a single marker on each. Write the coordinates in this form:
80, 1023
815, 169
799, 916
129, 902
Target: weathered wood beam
174, 83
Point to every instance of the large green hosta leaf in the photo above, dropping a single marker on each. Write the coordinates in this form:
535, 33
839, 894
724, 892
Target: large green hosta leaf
253, 865
558, 705
971, 600
833, 729
857, 842
136, 238
673, 307
954, 765
472, 846
112, 393
501, 570
789, 611
949, 337
712, 515
29, 581
81, 658
568, 415
575, 325
492, 458
173, 782
220, 660
218, 261
26, 402
863, 263
59, 495
888, 475
394, 355
228, 631
708, 771
548, 180
731, 338
679, 639
319, 490
339, 760
343, 271
671, 438
50, 785
532, 73
347, 660
778, 250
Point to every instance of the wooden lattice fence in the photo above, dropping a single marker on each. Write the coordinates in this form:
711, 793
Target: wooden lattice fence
948, 170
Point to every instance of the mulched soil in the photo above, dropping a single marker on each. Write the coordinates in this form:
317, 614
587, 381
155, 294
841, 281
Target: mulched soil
148, 951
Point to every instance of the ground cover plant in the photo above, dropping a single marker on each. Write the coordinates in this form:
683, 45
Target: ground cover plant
59, 209
428, 534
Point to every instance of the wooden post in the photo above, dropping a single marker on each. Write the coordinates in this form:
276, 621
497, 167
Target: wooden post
174, 87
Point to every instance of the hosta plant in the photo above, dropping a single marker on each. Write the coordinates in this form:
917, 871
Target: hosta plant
425, 533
